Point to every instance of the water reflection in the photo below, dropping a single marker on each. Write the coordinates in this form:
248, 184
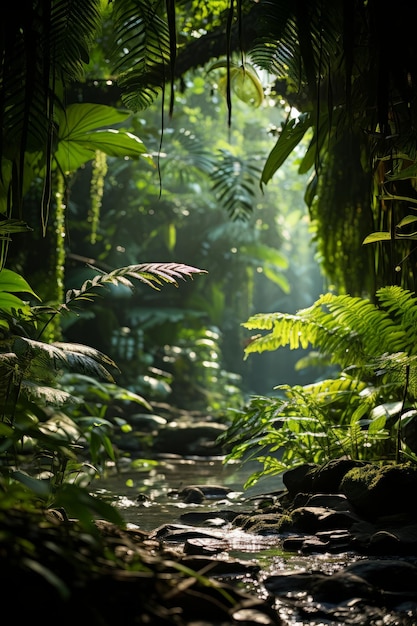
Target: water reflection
148, 499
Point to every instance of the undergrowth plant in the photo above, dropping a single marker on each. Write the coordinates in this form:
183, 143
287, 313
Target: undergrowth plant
46, 447
366, 411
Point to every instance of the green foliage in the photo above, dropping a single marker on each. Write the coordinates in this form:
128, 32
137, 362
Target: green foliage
243, 79
291, 134
312, 423
198, 376
234, 184
143, 46
351, 330
10, 284
359, 412
47, 422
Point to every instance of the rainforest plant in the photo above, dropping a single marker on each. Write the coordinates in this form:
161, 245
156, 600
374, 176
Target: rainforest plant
365, 412
38, 417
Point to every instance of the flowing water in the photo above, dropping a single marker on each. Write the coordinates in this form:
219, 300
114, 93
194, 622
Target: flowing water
147, 497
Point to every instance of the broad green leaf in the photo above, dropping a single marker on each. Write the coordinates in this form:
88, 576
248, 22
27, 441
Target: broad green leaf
265, 253
84, 118
378, 236
77, 150
81, 134
247, 86
40, 487
277, 277
10, 303
12, 282
244, 81
408, 219
291, 135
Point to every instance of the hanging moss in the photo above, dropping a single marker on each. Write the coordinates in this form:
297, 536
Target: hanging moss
96, 192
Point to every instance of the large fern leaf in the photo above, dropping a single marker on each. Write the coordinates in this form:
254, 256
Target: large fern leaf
351, 330
152, 274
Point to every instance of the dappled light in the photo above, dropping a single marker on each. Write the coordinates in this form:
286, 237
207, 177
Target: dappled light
208, 389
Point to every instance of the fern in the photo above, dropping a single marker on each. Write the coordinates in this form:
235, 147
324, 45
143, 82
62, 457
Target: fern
152, 274
314, 423
351, 330
142, 49
31, 367
358, 413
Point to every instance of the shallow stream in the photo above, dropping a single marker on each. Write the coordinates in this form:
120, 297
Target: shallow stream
146, 497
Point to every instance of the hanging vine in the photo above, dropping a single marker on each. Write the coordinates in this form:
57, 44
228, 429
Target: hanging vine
96, 192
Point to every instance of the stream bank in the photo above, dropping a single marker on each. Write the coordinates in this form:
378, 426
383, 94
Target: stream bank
327, 546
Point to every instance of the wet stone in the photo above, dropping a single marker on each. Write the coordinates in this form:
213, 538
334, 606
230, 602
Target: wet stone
205, 546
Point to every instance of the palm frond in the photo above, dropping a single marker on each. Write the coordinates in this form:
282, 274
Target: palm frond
142, 50
74, 28
290, 42
43, 45
236, 184
40, 362
187, 154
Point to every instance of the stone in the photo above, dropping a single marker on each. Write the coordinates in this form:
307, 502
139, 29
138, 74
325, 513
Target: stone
185, 438
376, 491
327, 477
300, 478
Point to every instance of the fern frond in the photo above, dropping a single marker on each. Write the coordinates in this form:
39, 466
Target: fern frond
401, 304
351, 330
152, 274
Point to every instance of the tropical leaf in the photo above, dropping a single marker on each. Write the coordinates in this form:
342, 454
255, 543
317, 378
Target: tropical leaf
14, 283
41, 361
377, 236
290, 136
11, 305
46, 395
142, 47
152, 274
235, 184
81, 134
244, 81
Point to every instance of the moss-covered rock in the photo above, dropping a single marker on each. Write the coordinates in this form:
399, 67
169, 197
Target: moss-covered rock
382, 491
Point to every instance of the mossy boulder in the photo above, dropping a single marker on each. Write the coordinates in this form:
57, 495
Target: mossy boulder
390, 490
